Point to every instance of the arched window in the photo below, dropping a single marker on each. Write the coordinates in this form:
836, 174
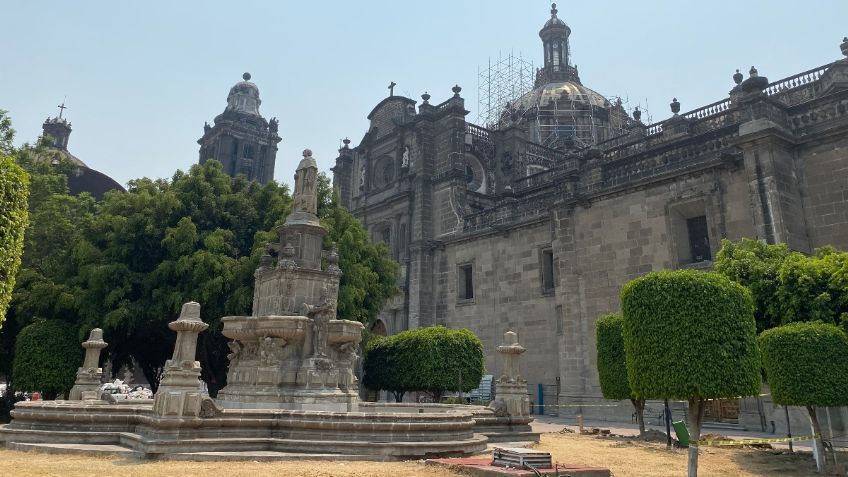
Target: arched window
384, 172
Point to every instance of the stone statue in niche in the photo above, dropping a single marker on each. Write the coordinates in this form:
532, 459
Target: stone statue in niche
346, 358
321, 315
362, 176
405, 157
235, 353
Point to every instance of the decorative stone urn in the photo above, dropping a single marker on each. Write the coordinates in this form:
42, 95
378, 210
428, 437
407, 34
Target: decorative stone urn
511, 397
179, 392
89, 375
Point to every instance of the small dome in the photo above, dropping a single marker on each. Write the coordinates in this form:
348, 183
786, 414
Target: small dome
244, 97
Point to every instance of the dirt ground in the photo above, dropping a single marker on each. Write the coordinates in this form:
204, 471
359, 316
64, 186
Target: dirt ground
624, 456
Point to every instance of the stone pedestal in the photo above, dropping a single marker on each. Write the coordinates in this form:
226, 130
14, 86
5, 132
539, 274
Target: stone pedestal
89, 376
511, 397
179, 393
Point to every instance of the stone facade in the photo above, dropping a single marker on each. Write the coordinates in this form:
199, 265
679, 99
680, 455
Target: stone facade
241, 139
497, 232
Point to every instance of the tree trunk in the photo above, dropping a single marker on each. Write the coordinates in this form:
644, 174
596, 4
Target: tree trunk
398, 395
696, 415
817, 441
639, 405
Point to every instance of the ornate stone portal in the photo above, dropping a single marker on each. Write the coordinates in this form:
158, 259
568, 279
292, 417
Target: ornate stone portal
292, 352
89, 375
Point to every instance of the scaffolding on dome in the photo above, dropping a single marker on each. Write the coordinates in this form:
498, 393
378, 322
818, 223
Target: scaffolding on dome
573, 122
505, 79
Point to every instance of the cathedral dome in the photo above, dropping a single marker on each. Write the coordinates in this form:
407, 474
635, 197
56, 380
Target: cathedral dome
244, 97
559, 94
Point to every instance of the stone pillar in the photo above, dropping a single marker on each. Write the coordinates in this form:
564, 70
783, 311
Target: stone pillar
511, 397
179, 393
87, 384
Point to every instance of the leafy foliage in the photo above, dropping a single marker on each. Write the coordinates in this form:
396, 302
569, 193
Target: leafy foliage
612, 366
689, 334
756, 265
433, 359
806, 364
13, 221
789, 286
47, 355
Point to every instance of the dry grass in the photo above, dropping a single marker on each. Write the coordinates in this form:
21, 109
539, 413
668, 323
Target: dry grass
14, 463
626, 458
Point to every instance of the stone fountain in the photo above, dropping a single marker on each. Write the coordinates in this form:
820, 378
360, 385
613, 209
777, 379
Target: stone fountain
290, 384
292, 352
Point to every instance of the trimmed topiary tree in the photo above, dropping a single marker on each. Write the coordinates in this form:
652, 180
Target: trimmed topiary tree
690, 335
612, 366
47, 355
434, 359
383, 366
807, 365
13, 221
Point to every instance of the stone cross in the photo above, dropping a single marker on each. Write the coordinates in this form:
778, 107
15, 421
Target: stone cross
62, 109
392, 88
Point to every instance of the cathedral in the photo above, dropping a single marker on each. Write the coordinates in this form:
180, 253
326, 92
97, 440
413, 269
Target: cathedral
534, 223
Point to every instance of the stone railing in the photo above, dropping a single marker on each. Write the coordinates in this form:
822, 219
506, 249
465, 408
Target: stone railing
478, 131
800, 80
708, 110
642, 166
512, 212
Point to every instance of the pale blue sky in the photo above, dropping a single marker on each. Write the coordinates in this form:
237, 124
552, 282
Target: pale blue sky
142, 77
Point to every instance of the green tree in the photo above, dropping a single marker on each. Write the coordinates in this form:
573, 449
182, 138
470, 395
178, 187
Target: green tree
755, 265
788, 286
47, 355
690, 335
386, 368
612, 365
433, 359
807, 365
197, 238
13, 221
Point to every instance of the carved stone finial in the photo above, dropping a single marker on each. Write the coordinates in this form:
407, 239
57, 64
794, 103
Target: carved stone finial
346, 143
675, 106
844, 46
246, 76
456, 89
426, 97
90, 373
637, 115
753, 72
737, 78
179, 392
554, 10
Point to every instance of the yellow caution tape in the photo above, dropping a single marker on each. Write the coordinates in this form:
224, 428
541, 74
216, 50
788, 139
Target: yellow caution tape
745, 442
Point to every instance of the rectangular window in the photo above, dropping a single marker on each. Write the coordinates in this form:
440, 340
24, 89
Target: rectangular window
465, 282
699, 239
548, 283
559, 318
